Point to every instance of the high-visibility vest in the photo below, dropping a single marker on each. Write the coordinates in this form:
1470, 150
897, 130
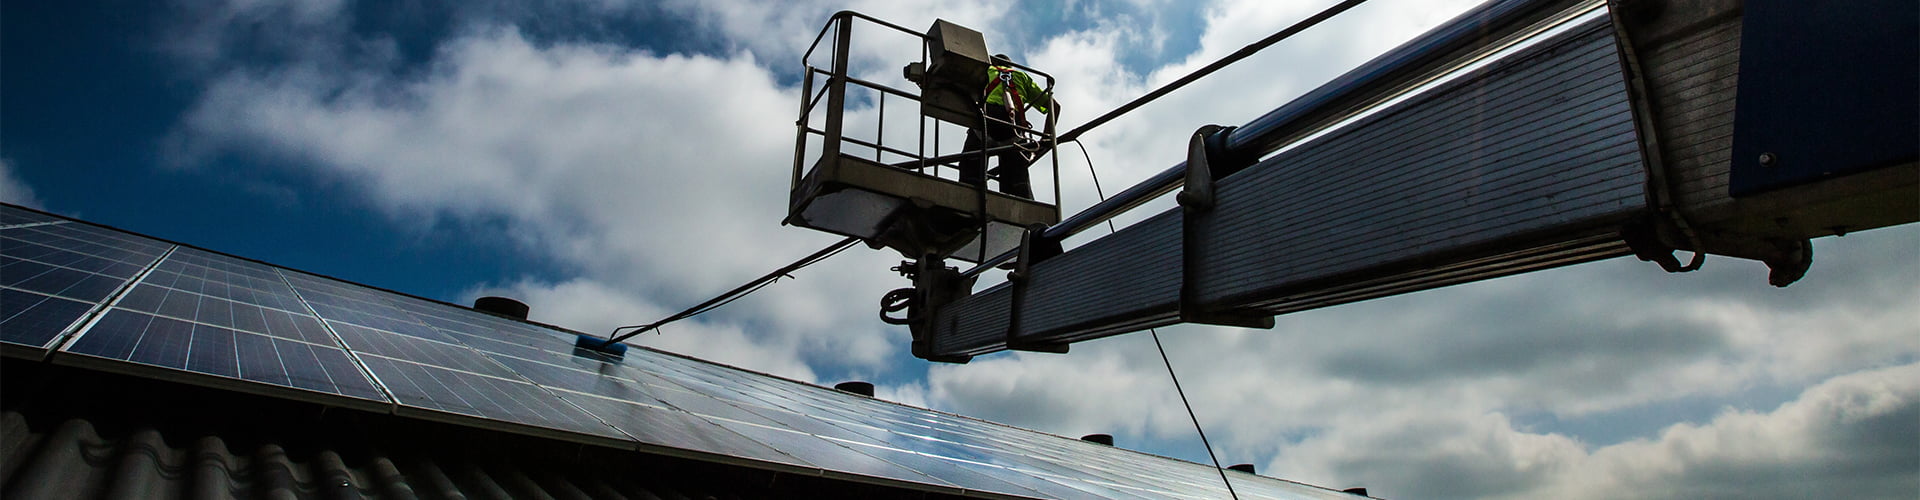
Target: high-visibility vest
1011, 87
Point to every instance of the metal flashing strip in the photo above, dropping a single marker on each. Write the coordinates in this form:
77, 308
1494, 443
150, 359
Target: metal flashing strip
93, 316
32, 224
392, 404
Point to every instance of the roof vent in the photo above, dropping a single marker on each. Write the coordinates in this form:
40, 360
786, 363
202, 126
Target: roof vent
856, 387
1362, 491
502, 306
1247, 468
1106, 439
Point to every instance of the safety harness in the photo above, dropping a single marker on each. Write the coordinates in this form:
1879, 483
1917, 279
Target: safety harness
1016, 108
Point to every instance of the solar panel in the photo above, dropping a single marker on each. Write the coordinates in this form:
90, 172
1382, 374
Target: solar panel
671, 404
211, 319
216, 320
667, 401
15, 216
54, 273
431, 375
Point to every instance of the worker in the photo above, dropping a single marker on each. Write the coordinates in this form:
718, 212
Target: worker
1008, 92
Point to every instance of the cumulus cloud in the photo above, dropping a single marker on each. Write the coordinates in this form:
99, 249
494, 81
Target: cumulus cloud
13, 190
1850, 436
1415, 395
1443, 454
213, 35
657, 179
659, 176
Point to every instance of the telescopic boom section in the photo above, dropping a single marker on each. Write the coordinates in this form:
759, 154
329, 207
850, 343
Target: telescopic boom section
1521, 136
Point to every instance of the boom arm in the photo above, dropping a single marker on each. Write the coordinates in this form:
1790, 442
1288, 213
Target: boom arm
1608, 136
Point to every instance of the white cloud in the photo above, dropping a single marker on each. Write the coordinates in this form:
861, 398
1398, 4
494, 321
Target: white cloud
207, 35
1850, 436
656, 176
13, 190
1405, 392
659, 180
1438, 454
779, 32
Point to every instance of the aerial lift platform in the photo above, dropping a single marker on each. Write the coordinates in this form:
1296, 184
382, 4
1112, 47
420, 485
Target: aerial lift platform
1523, 135
907, 197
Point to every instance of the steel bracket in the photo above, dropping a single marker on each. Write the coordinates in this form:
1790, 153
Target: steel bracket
1206, 161
1034, 247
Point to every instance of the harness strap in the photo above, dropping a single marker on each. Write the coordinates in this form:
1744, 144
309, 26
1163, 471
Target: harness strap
1016, 108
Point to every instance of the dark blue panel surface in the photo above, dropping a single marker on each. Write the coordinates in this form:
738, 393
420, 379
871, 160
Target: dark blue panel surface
216, 320
481, 396
451, 356
9, 215
1827, 88
55, 275
222, 352
216, 316
425, 367
215, 354
33, 319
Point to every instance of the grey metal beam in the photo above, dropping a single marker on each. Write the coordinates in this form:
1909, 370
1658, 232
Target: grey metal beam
1527, 163
1374, 81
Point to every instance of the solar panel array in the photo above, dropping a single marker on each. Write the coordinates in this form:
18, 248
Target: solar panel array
225, 318
84, 295
54, 273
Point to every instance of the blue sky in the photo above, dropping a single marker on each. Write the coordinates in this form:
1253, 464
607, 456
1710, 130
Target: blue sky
613, 161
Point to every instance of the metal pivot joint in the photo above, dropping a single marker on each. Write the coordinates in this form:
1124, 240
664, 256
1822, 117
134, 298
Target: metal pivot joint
1207, 160
934, 286
1655, 238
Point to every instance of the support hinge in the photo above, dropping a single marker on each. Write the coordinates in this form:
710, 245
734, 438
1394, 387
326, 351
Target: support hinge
934, 286
1204, 151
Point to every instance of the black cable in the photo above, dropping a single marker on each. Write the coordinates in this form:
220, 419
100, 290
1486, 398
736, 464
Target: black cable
1096, 180
1243, 53
737, 292
1196, 419
1155, 332
1236, 56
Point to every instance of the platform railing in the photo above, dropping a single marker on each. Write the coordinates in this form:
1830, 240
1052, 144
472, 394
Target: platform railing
829, 81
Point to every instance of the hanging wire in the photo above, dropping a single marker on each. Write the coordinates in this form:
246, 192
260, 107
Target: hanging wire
1236, 56
1244, 52
1155, 332
1070, 136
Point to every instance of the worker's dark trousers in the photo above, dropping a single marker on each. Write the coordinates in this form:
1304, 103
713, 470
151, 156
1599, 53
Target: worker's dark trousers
1012, 168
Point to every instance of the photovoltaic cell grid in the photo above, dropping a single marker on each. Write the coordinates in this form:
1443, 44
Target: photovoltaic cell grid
425, 369
217, 316
53, 273
10, 216
668, 401
241, 321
